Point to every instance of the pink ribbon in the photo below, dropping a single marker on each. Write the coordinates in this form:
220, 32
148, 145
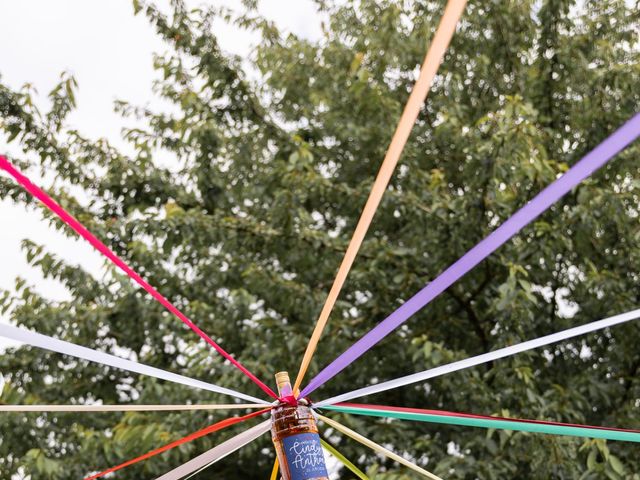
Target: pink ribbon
102, 248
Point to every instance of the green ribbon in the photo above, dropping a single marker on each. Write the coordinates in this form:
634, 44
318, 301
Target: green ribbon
496, 424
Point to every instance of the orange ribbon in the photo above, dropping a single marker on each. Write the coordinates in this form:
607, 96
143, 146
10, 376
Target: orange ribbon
434, 57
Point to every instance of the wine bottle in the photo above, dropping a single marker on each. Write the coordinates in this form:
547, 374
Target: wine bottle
295, 436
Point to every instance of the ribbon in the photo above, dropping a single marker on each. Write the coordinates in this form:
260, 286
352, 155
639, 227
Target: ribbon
377, 448
598, 157
471, 415
484, 358
189, 438
274, 471
432, 61
355, 470
450, 418
126, 408
217, 453
60, 346
102, 248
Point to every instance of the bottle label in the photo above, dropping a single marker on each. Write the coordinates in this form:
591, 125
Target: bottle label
304, 456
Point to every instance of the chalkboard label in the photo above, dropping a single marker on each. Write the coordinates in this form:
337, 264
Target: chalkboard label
304, 456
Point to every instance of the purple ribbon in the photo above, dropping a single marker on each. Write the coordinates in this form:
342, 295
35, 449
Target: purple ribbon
594, 160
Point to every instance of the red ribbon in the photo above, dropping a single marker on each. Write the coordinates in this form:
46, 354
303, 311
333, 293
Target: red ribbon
290, 400
102, 248
200, 433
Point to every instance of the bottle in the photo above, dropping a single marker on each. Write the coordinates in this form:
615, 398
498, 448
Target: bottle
295, 436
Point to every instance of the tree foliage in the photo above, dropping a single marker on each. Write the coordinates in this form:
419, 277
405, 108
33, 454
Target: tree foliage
245, 226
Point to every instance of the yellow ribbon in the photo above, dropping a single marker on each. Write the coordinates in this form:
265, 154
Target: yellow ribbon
355, 470
377, 448
432, 61
274, 472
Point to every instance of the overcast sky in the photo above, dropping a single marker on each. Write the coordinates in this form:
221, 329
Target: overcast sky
109, 51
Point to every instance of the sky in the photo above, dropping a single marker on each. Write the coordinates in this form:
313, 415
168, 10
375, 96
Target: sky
109, 51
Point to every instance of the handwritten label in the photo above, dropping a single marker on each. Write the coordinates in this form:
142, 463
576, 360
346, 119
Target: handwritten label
304, 456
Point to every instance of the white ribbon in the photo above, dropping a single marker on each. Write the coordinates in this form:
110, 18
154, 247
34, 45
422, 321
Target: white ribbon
125, 408
60, 346
217, 453
484, 358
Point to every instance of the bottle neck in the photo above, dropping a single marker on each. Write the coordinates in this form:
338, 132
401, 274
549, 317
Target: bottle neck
284, 384
285, 390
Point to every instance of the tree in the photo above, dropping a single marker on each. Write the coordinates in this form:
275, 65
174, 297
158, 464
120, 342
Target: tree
246, 228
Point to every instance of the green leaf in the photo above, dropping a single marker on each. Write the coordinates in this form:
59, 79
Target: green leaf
616, 464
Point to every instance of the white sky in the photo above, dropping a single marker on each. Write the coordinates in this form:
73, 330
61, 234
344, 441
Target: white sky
109, 50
